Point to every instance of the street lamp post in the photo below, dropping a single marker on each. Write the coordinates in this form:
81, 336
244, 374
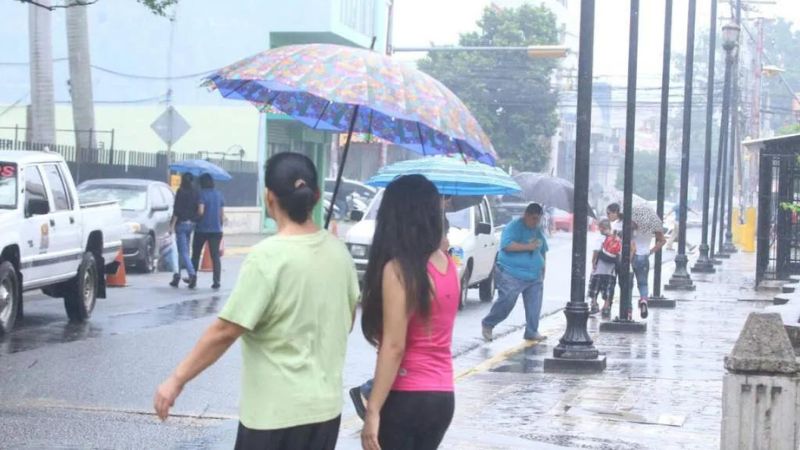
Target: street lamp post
728, 247
658, 300
575, 350
625, 320
704, 264
681, 280
730, 39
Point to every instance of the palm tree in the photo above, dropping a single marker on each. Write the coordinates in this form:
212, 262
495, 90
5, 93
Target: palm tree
80, 78
41, 115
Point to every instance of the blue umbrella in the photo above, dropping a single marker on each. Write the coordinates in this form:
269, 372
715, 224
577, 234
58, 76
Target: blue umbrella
452, 176
198, 167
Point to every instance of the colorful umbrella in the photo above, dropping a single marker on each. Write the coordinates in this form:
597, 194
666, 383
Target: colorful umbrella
451, 175
346, 89
198, 167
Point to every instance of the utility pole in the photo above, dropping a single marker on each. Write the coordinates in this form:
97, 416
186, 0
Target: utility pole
42, 113
80, 79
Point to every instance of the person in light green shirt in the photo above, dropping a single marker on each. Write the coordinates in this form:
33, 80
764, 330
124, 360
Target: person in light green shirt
293, 306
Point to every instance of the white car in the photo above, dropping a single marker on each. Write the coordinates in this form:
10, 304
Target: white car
473, 244
48, 240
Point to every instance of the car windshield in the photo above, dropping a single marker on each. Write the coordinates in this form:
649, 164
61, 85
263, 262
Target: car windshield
130, 198
458, 219
8, 185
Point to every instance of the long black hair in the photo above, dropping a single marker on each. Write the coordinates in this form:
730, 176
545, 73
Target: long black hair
408, 230
187, 181
292, 178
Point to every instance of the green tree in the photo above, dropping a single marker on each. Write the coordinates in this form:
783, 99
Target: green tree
645, 179
159, 7
508, 92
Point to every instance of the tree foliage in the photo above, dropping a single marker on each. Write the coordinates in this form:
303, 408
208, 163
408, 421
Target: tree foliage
508, 92
645, 180
159, 7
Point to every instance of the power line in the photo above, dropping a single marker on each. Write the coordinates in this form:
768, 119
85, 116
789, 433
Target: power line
124, 74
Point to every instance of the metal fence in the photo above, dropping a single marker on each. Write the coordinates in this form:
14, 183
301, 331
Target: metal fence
90, 164
778, 251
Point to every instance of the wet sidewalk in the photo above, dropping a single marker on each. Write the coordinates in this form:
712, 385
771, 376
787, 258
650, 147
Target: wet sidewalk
662, 389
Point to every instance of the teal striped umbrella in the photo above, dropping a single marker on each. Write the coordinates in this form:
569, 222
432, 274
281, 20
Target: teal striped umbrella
452, 175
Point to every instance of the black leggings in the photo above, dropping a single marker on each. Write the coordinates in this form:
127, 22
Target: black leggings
214, 240
314, 436
415, 420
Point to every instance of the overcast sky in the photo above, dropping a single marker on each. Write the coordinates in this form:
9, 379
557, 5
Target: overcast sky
421, 22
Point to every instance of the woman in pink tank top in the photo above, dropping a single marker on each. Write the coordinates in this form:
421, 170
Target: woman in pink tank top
410, 300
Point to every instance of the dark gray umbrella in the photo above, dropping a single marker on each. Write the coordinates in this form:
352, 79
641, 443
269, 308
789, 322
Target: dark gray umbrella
548, 190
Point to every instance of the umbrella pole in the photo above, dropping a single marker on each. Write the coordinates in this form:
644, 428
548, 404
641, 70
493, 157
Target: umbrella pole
341, 165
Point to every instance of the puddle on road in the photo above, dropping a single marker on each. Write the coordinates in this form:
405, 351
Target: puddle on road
39, 330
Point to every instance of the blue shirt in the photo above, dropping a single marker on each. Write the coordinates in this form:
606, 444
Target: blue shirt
525, 266
211, 222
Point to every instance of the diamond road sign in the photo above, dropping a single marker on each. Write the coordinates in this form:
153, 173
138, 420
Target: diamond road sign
170, 126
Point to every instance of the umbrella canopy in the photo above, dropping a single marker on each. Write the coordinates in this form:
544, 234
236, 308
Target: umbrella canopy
646, 219
548, 190
346, 89
452, 176
198, 167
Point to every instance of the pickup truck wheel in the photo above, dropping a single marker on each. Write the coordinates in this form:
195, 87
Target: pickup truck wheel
81, 293
149, 261
487, 289
462, 301
9, 297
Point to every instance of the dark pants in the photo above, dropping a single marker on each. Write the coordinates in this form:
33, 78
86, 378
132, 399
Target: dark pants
214, 240
415, 420
314, 436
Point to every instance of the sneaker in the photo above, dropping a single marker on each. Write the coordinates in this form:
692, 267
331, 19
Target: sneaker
487, 334
358, 402
176, 280
538, 337
215, 286
192, 282
643, 307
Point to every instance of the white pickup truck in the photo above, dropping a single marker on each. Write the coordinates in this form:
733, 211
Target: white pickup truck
48, 240
474, 243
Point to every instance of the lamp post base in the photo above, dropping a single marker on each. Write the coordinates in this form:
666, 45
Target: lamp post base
715, 261
680, 280
567, 365
661, 302
703, 267
729, 248
624, 326
575, 351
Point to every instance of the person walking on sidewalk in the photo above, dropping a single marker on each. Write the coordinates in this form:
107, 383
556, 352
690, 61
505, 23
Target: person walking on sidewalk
605, 259
641, 249
520, 270
360, 394
209, 227
186, 210
293, 306
410, 301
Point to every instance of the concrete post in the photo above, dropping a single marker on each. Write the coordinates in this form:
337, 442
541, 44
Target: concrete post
760, 391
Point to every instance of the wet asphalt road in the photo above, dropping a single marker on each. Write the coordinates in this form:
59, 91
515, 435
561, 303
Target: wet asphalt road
90, 385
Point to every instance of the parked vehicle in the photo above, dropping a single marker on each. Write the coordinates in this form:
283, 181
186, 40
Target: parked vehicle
352, 196
474, 243
49, 240
146, 210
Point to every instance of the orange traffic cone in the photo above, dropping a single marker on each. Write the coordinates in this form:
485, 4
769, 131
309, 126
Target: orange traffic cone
118, 279
206, 265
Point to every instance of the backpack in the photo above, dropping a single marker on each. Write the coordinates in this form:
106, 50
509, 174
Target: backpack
611, 248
